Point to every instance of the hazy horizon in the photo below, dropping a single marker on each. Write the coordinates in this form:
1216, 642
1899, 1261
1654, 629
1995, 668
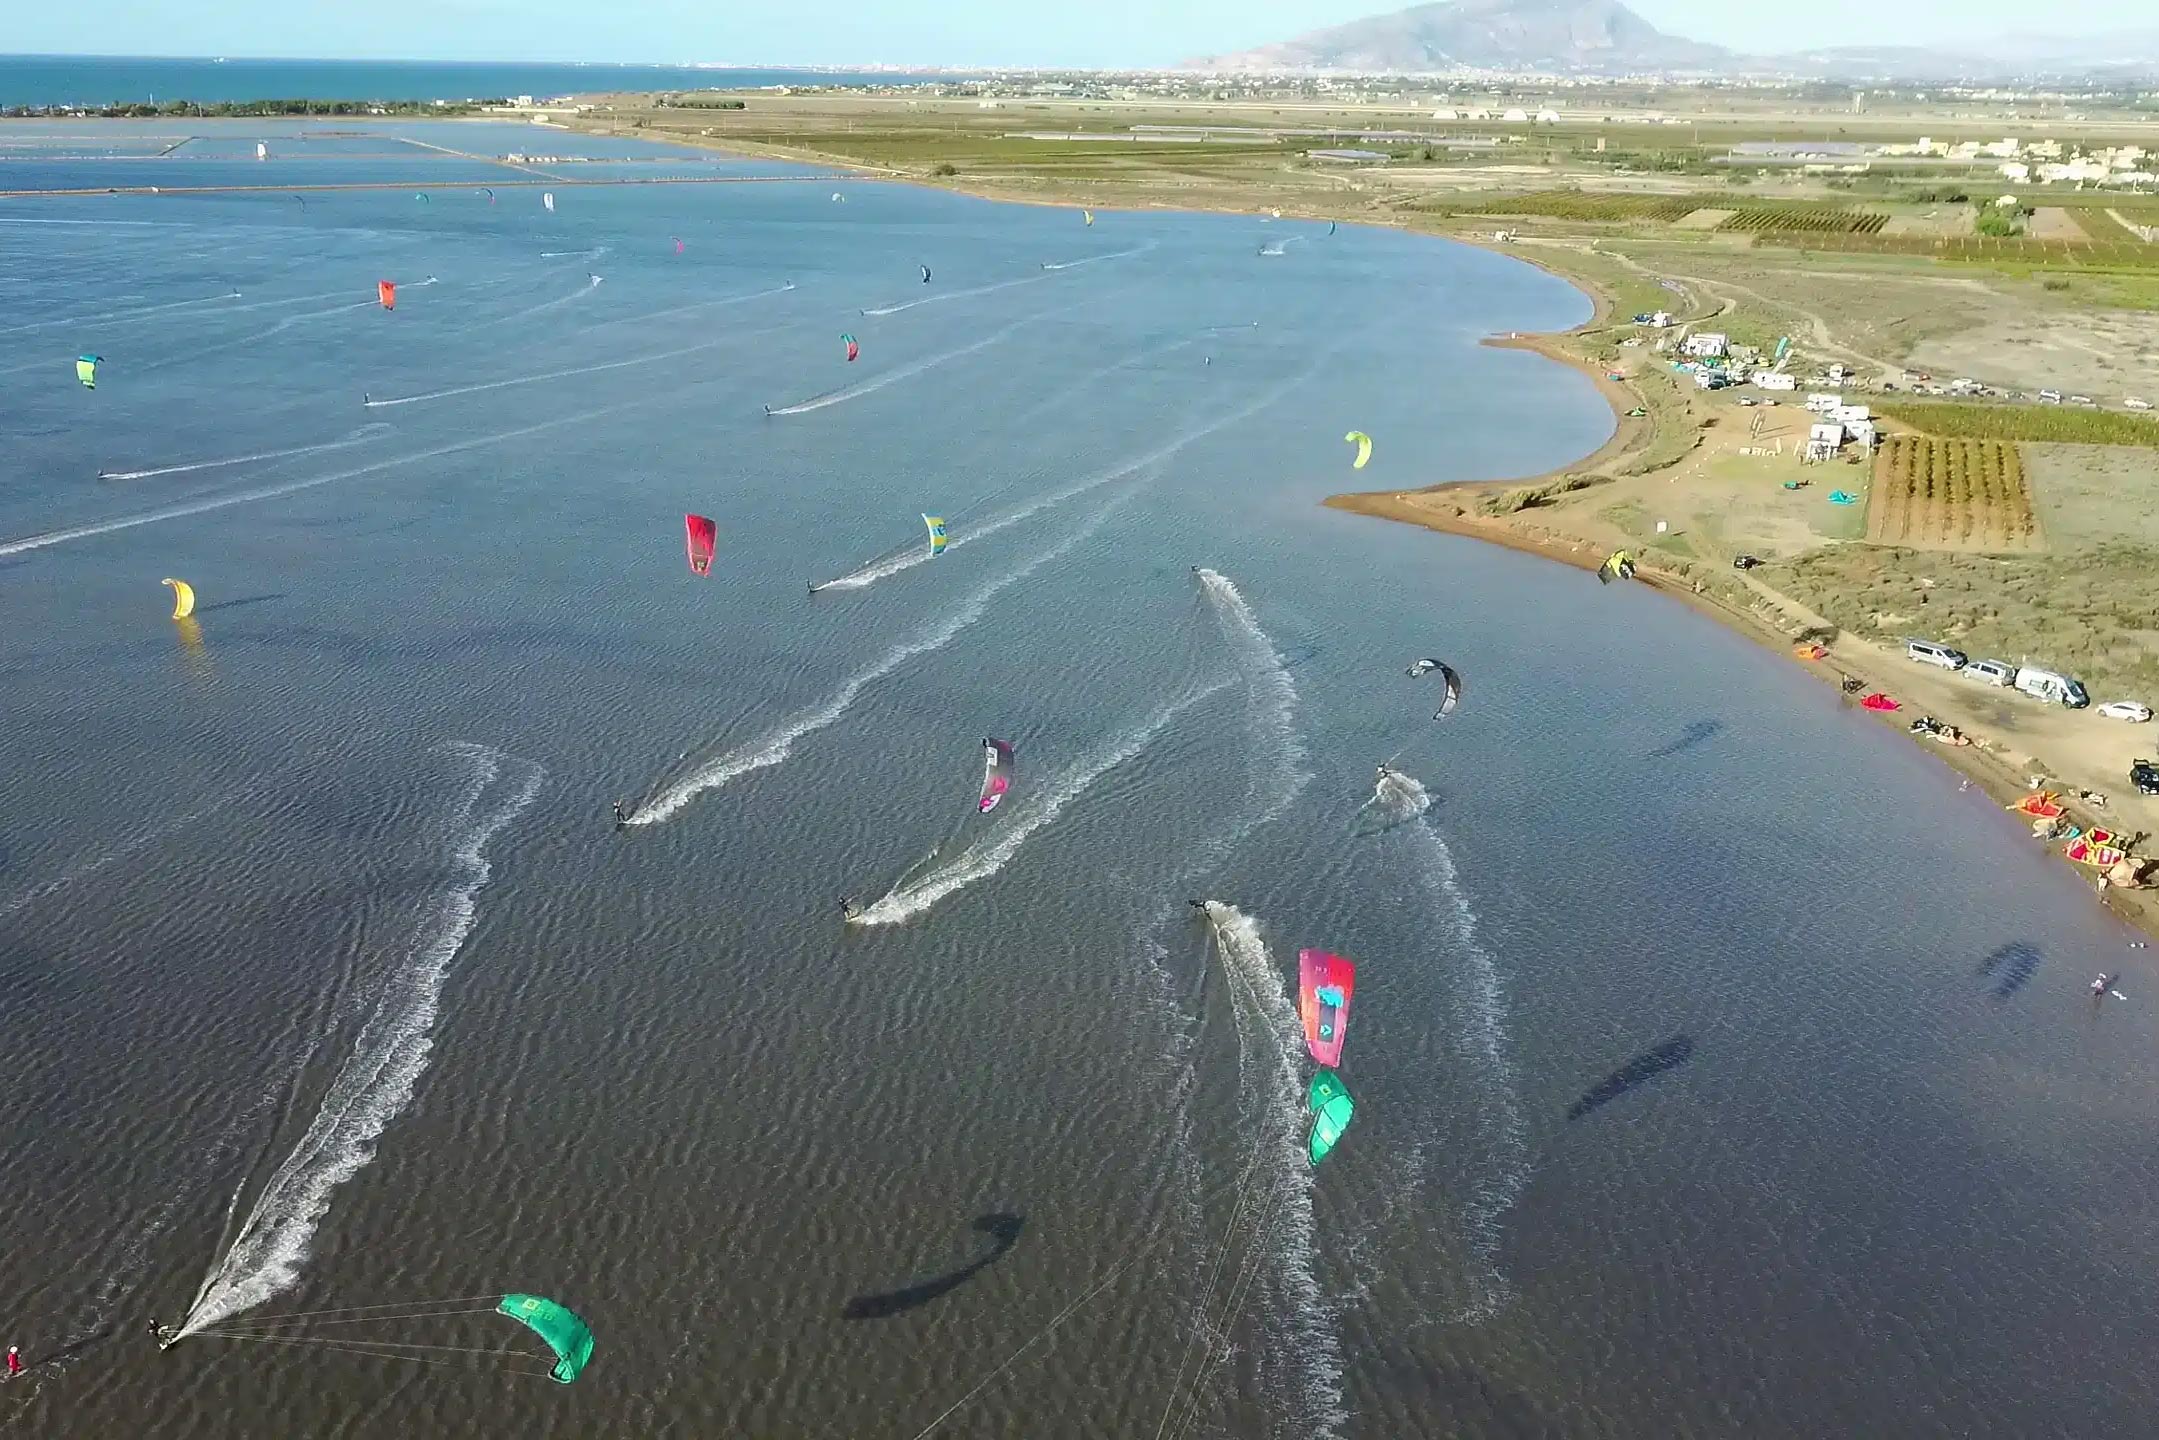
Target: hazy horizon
966, 33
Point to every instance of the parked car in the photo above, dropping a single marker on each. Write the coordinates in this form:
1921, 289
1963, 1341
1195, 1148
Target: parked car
1745, 562
1990, 672
2134, 711
2050, 397
2144, 774
2082, 400
1926, 652
2135, 404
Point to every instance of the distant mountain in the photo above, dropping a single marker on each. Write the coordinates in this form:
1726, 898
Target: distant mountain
1594, 36
1604, 37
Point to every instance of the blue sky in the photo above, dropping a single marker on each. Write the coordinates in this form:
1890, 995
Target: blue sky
1069, 32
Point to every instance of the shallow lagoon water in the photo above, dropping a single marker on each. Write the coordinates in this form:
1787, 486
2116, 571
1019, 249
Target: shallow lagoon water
1722, 1068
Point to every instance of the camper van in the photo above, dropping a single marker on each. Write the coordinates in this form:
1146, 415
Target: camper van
1991, 672
2056, 689
1926, 652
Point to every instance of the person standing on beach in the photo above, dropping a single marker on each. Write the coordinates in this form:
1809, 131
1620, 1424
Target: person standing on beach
14, 1362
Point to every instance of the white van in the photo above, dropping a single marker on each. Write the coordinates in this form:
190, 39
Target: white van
2053, 688
1926, 652
1990, 672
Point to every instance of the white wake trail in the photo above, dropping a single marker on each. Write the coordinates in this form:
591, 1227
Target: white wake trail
892, 565
373, 404
291, 487
1278, 753
1500, 1167
1098, 259
376, 1083
943, 295
907, 371
592, 283
358, 437
1313, 1351
985, 859
119, 315
776, 747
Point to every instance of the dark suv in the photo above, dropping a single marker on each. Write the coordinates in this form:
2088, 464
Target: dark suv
2144, 774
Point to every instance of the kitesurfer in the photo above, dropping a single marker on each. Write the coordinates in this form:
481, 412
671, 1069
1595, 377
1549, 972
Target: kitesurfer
622, 816
848, 909
2099, 986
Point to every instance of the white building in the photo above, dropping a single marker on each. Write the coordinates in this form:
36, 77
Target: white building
1443, 113
1824, 441
1823, 404
1851, 414
1862, 432
2017, 171
1707, 345
1661, 320
1774, 380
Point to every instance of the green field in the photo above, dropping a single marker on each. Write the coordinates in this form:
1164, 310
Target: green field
2055, 423
1574, 205
1802, 219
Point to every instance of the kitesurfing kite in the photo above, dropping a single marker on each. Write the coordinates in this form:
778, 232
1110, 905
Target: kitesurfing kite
1325, 983
1330, 227
420, 195
488, 193
1620, 566
568, 1336
183, 598
678, 243
925, 274
937, 532
996, 773
86, 370
1088, 216
1331, 1110
852, 348
838, 198
386, 292
1363, 442
548, 199
1447, 674
703, 535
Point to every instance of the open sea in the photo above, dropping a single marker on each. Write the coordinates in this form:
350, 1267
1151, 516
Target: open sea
130, 80
1722, 1067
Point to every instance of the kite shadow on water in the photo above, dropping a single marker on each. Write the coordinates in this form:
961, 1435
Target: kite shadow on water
1636, 1073
1697, 732
2011, 966
242, 600
1004, 1232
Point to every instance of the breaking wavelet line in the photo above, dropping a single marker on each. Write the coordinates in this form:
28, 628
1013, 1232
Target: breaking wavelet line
358, 437
1501, 1128
983, 860
1314, 1349
1280, 755
1097, 259
376, 1082
593, 254
292, 487
886, 568
776, 747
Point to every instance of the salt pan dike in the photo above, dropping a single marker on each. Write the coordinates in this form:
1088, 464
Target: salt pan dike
376, 1082
981, 861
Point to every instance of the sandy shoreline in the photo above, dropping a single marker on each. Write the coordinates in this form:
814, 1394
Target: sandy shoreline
2001, 775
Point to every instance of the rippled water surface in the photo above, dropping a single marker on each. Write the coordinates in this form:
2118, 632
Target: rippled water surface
1722, 1068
